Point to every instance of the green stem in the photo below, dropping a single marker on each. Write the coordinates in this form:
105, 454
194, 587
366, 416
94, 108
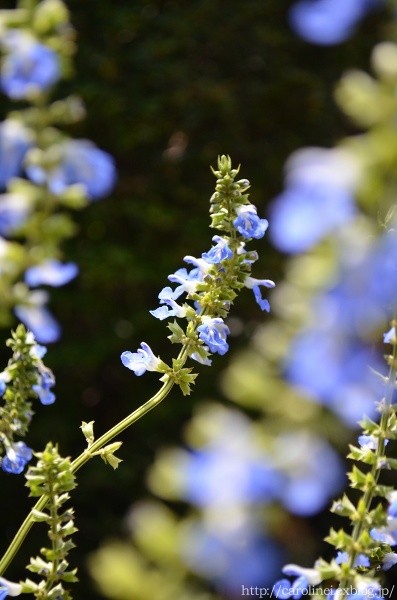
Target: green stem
80, 461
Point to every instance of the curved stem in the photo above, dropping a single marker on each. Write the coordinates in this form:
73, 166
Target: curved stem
80, 461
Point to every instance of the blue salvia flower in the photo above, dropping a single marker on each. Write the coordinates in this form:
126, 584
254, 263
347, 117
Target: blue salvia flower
15, 140
29, 67
360, 561
81, 162
389, 560
3, 387
172, 309
9, 588
284, 589
213, 332
219, 252
51, 272
17, 455
188, 280
328, 22
141, 361
254, 284
43, 388
248, 223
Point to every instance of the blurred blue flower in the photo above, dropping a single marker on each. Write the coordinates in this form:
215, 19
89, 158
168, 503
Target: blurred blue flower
15, 140
219, 252
232, 558
81, 162
17, 455
51, 272
39, 320
317, 201
312, 472
328, 22
248, 223
9, 587
28, 67
360, 561
141, 361
43, 387
213, 332
389, 560
14, 210
3, 387
333, 368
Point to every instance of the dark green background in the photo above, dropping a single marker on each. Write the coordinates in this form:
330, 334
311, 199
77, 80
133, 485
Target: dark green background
232, 78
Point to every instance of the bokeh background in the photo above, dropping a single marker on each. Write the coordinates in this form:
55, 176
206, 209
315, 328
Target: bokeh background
168, 87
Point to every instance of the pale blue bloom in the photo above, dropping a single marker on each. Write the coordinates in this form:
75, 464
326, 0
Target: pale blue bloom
3, 387
389, 560
40, 321
213, 332
284, 589
318, 198
166, 296
254, 284
188, 280
328, 22
9, 588
219, 252
388, 533
370, 441
248, 223
17, 455
81, 162
360, 561
389, 336
141, 361
28, 66
15, 140
51, 272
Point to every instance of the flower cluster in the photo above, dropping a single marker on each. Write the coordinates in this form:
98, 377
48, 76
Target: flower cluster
212, 282
41, 169
25, 377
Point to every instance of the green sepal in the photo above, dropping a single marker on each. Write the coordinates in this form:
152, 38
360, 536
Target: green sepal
327, 570
107, 454
344, 508
365, 454
88, 431
29, 587
340, 539
392, 462
383, 490
177, 333
369, 426
40, 516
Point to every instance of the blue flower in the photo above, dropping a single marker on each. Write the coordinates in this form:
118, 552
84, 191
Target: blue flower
81, 162
40, 321
188, 280
219, 252
43, 387
284, 589
213, 332
231, 557
28, 67
17, 455
15, 140
141, 361
248, 223
14, 209
3, 387
166, 296
254, 284
318, 199
390, 336
328, 22
361, 560
9, 588
389, 560
51, 272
